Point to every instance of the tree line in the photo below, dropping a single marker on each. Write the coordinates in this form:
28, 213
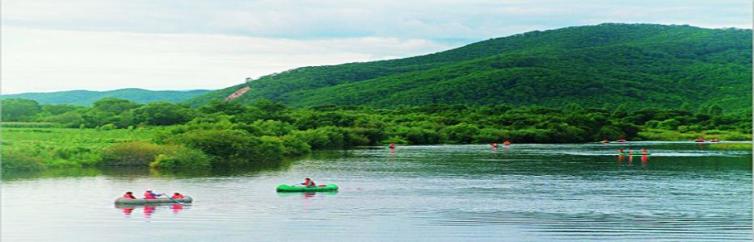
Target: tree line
227, 134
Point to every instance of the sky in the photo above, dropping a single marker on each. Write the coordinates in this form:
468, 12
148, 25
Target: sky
53, 45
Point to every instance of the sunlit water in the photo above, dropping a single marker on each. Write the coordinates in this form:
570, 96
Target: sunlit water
417, 193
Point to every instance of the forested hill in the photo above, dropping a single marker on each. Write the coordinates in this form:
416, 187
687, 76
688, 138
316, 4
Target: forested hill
606, 65
83, 97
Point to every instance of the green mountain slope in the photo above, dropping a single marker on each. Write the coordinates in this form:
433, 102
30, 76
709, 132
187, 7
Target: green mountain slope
83, 97
637, 65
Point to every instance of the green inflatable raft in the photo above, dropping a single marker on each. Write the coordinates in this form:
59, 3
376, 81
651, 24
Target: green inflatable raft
300, 188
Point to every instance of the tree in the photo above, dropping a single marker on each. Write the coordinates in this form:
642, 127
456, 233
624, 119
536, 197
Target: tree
162, 113
19, 109
114, 105
715, 110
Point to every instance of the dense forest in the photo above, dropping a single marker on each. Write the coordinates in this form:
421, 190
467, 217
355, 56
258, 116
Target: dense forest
228, 134
84, 97
601, 66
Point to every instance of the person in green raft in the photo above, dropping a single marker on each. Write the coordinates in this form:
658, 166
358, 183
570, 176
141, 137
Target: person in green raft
308, 182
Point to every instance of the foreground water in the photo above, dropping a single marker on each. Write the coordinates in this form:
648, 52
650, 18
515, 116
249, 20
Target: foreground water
682, 192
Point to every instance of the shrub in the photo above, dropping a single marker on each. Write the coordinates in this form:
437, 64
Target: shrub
461, 133
181, 157
292, 146
610, 132
736, 136
269, 149
107, 127
225, 147
395, 140
273, 127
530, 135
135, 153
322, 138
17, 161
487, 135
69, 152
669, 124
652, 124
162, 113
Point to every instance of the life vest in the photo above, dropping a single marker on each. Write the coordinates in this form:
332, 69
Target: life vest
309, 183
149, 195
129, 196
177, 196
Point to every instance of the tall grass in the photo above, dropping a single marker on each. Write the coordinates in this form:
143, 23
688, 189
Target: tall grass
63, 147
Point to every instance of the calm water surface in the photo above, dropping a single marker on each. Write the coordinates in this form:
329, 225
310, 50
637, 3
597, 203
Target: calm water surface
682, 192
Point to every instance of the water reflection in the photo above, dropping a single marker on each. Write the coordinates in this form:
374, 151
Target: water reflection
306, 195
128, 211
149, 209
142, 172
176, 207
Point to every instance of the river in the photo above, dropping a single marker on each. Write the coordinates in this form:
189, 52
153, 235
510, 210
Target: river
525, 192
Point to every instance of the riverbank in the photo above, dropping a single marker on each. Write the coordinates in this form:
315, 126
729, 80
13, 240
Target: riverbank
189, 150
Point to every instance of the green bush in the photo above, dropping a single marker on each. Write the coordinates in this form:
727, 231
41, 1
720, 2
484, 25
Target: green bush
461, 133
395, 140
135, 153
107, 127
293, 146
180, 157
529, 135
489, 135
70, 119
610, 132
18, 161
269, 149
417, 135
69, 152
736, 136
227, 148
162, 113
322, 137
669, 124
272, 127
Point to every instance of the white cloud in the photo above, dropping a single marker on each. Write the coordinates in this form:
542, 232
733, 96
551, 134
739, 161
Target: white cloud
46, 60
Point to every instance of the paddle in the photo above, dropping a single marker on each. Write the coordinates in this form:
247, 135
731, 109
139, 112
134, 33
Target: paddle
171, 199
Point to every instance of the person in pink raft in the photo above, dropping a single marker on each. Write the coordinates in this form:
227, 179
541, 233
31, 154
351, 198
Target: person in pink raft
150, 195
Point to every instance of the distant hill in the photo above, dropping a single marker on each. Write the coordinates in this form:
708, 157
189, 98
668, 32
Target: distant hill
83, 97
606, 65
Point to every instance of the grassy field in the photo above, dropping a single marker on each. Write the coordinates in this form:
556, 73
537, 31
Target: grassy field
63, 147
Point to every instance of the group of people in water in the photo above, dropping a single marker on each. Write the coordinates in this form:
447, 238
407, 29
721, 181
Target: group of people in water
506, 143
149, 194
